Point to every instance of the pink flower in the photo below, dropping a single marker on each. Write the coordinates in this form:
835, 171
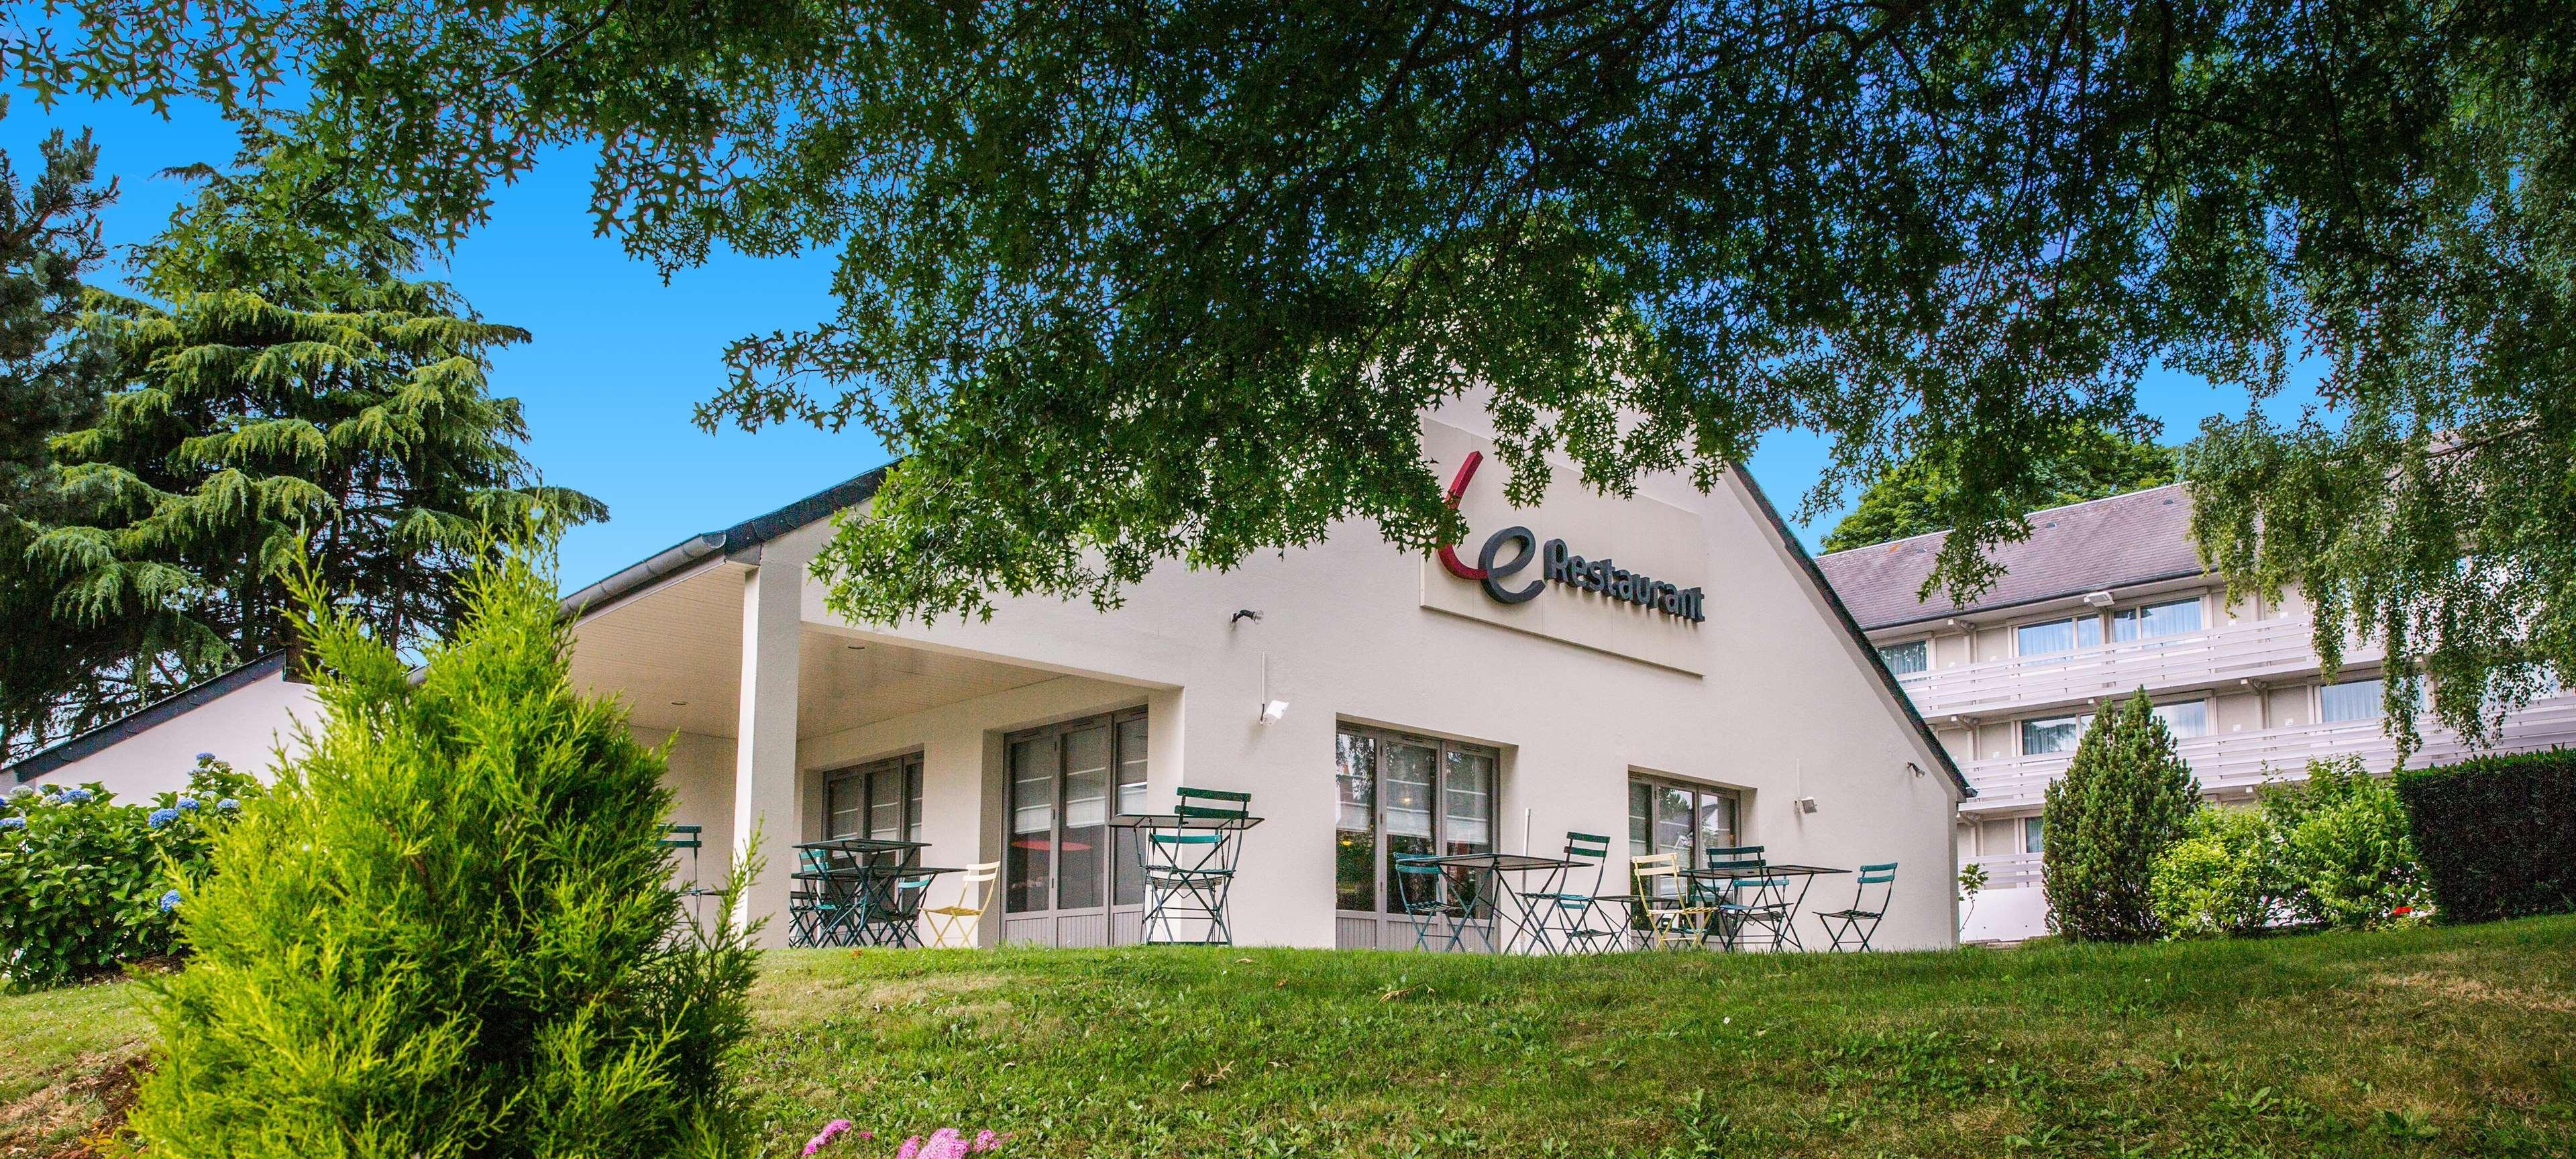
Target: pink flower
911, 1149
945, 1143
831, 1131
987, 1141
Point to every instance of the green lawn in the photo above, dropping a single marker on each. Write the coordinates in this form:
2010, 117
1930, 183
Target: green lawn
2407, 1043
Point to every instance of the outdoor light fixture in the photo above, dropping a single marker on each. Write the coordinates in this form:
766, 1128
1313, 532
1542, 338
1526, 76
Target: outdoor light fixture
2097, 599
1805, 804
1273, 710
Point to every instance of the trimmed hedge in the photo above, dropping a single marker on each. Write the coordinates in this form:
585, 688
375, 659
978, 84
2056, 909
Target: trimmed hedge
2497, 835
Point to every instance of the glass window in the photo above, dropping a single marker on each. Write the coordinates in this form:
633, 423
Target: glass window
2034, 833
2173, 618
2058, 635
2185, 719
2352, 700
1907, 658
1671, 817
880, 800
1355, 834
1061, 801
1402, 796
2056, 734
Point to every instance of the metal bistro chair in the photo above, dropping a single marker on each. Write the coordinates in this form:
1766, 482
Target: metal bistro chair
1424, 893
1190, 870
1753, 899
693, 839
894, 916
1852, 934
965, 919
1568, 914
1666, 911
820, 907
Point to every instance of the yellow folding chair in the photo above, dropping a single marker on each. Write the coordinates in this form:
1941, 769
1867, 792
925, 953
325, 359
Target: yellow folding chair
965, 920
1664, 901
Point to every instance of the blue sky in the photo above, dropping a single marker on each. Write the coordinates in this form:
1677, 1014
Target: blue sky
619, 357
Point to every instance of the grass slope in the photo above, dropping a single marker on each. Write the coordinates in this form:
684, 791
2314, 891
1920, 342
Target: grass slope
2406, 1043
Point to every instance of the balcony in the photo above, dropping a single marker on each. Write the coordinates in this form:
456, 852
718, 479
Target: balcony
2218, 657
2242, 760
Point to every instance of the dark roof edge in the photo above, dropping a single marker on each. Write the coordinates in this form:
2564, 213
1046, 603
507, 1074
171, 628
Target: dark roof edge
1983, 609
743, 536
162, 711
1869, 652
620, 584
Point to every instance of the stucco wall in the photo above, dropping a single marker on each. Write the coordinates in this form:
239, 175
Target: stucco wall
245, 727
1784, 704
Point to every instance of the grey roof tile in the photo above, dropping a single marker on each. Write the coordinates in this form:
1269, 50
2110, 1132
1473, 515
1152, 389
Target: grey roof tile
2140, 537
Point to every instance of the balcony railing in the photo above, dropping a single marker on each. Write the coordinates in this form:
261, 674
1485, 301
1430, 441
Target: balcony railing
2244, 759
2203, 659
2008, 871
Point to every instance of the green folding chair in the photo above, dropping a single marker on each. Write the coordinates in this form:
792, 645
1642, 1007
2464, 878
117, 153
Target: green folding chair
1852, 928
1424, 892
1568, 914
1189, 869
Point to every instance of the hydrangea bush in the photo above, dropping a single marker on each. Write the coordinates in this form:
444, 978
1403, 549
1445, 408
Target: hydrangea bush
88, 884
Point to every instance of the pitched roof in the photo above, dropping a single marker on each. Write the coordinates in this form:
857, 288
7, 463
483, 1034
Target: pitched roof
626, 581
1809, 570
2140, 537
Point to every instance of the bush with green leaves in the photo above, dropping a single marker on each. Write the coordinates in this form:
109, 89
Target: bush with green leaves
450, 930
2124, 800
86, 884
2224, 877
2347, 859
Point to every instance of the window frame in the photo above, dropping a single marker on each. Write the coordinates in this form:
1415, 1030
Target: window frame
2135, 615
2378, 703
1116, 846
1701, 792
1921, 644
1384, 741
2076, 623
904, 769
2021, 732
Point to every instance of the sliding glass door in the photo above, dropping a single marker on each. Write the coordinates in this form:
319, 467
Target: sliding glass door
1067, 880
1401, 796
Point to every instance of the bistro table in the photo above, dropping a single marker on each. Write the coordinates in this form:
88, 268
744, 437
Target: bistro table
1187, 861
864, 875
1806, 875
1505, 907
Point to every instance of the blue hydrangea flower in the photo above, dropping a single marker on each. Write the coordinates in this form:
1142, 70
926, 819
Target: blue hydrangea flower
75, 796
13, 822
228, 805
22, 792
169, 901
161, 817
188, 804
205, 756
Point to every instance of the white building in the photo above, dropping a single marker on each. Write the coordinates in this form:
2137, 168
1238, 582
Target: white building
1726, 700
2105, 598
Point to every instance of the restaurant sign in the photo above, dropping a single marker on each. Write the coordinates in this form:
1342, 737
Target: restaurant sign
1509, 552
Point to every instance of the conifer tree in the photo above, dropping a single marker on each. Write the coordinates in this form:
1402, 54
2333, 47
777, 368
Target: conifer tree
50, 380
449, 930
263, 425
2125, 799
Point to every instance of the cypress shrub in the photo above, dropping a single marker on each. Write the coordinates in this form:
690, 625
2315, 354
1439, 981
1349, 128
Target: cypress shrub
2125, 799
2496, 835
449, 930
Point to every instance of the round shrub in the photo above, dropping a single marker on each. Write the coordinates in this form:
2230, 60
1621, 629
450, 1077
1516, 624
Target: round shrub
2347, 857
2223, 877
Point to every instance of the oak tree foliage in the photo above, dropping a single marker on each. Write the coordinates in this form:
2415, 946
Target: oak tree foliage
1130, 283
